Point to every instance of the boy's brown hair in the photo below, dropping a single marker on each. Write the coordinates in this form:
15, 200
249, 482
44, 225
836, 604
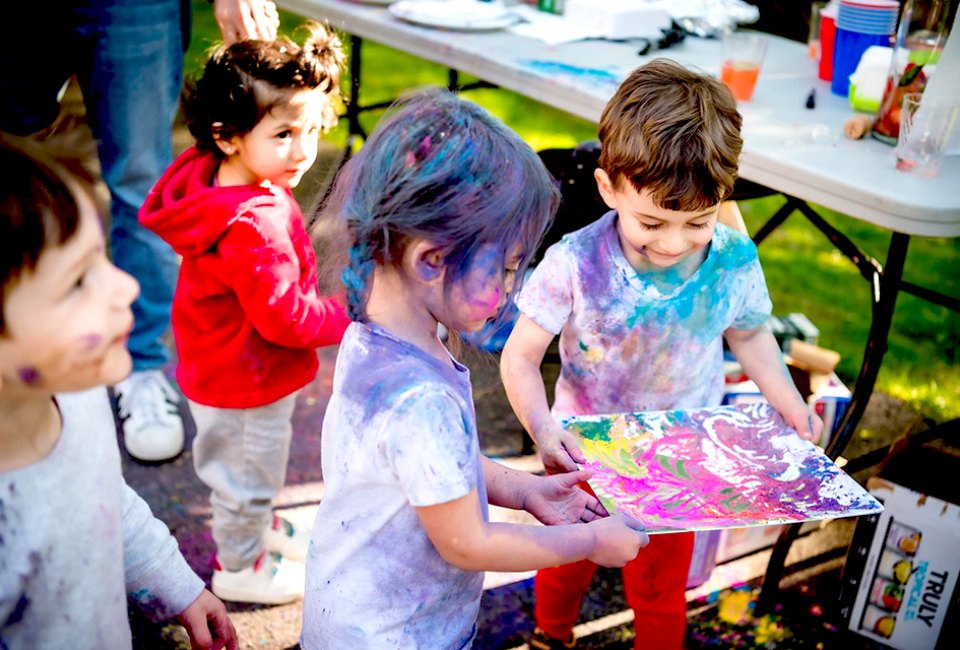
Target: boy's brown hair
673, 132
39, 205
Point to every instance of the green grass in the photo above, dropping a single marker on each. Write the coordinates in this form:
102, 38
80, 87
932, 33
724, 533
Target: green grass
804, 272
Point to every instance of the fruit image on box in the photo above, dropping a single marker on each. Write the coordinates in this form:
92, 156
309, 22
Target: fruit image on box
902, 568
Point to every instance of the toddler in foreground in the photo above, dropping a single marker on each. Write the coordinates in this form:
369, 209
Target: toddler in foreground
444, 206
642, 299
75, 541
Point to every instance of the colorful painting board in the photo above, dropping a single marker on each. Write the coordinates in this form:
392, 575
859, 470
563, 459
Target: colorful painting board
722, 467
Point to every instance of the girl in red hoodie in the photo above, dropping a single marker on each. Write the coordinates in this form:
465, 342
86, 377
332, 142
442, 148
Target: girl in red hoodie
247, 314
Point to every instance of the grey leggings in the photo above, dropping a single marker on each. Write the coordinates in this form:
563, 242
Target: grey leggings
241, 455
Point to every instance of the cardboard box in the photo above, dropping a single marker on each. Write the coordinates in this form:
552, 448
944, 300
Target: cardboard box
899, 585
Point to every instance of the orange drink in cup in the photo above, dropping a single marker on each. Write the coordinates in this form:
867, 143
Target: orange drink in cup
740, 77
743, 54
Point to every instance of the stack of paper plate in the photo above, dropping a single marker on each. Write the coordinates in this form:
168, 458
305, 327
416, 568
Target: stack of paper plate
463, 15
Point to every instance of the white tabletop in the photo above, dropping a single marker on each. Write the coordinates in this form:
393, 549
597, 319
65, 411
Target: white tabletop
787, 147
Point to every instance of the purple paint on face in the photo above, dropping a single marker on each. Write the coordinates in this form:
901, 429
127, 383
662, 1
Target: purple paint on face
90, 341
29, 375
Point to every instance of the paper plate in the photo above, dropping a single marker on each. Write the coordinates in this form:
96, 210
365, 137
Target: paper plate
460, 15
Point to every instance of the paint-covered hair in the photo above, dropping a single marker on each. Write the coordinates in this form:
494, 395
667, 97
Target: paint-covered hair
673, 132
243, 82
440, 168
39, 204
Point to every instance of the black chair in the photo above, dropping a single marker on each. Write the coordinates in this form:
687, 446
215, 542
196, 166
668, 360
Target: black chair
581, 203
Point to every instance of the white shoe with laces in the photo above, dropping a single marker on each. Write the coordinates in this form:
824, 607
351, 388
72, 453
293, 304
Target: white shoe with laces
272, 580
284, 538
152, 428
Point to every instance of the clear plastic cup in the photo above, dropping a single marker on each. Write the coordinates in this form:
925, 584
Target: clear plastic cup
743, 54
813, 37
925, 127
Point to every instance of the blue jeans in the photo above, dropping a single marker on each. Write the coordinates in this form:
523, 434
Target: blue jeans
128, 58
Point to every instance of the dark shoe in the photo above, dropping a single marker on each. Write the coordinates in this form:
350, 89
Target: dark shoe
540, 641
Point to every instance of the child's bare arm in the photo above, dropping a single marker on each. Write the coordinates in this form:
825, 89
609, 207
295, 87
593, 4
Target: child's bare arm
520, 371
464, 539
207, 624
552, 499
759, 356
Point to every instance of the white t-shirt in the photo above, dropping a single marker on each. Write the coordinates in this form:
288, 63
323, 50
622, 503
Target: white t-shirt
76, 542
399, 433
632, 341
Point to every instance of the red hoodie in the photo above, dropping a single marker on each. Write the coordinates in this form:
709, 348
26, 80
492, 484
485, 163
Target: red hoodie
247, 315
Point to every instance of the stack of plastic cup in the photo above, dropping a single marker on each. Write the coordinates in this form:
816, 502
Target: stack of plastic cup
860, 24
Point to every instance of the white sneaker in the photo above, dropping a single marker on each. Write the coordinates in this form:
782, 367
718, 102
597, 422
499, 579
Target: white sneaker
282, 537
272, 580
152, 428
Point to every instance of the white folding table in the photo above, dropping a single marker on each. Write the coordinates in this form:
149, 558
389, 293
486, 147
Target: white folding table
789, 148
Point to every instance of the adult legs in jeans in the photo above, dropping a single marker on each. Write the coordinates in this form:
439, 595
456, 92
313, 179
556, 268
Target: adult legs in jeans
131, 74
129, 57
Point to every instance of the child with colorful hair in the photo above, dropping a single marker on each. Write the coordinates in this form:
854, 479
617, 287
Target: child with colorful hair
642, 299
247, 313
444, 207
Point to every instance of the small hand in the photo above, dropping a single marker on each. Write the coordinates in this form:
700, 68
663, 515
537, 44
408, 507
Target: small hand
618, 540
207, 624
559, 450
807, 423
556, 499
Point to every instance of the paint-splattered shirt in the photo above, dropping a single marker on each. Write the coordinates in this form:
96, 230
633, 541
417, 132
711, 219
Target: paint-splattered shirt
76, 541
399, 433
632, 341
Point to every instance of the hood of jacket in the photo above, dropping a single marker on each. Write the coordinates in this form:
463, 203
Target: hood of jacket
188, 211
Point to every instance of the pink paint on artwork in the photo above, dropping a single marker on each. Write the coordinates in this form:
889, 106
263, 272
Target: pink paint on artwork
721, 467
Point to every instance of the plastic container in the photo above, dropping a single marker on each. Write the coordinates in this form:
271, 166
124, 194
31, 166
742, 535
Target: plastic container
868, 81
923, 31
847, 50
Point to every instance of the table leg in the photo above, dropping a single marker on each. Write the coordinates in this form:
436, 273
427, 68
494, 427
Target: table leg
355, 132
885, 287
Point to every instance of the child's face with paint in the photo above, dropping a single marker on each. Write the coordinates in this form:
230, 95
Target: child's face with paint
651, 235
68, 319
281, 147
481, 292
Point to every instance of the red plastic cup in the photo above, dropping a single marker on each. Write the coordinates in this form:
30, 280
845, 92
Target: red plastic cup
828, 33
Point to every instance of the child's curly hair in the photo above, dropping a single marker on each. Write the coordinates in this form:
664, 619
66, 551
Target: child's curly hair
245, 81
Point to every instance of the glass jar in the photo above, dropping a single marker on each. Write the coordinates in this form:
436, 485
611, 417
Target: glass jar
922, 32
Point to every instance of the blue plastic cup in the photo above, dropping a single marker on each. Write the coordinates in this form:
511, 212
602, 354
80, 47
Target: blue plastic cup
848, 47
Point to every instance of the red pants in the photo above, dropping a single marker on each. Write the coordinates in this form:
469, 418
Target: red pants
654, 583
